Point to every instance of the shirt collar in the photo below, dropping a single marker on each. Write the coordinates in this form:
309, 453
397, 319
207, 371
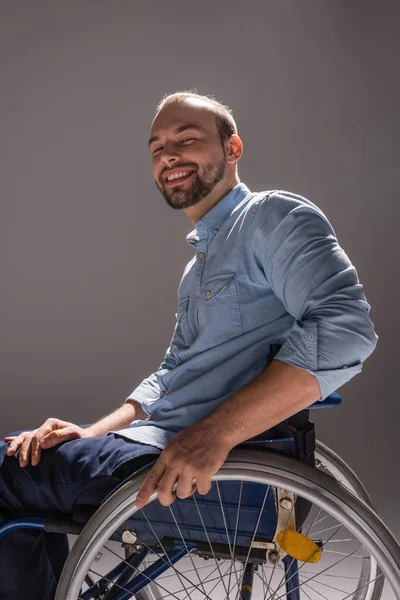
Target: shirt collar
215, 217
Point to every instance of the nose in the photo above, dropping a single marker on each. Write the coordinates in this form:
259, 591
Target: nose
169, 155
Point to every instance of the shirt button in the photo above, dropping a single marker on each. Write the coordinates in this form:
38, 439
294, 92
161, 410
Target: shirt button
346, 367
201, 255
208, 294
215, 230
162, 394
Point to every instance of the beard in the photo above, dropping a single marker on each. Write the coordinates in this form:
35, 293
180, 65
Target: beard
186, 195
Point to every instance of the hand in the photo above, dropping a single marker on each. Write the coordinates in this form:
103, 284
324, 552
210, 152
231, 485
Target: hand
195, 453
51, 433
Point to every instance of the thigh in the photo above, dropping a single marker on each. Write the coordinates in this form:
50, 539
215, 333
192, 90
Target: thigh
88, 467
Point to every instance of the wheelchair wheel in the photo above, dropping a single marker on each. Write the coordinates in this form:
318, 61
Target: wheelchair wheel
225, 545
331, 463
327, 460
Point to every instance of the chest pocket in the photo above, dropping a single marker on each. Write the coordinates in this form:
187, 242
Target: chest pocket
183, 335
218, 308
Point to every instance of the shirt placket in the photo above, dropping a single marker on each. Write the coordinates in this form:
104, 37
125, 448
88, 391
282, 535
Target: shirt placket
201, 257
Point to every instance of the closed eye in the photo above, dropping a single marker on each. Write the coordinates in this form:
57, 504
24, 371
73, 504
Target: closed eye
188, 139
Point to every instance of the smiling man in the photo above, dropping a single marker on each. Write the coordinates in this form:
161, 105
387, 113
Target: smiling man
271, 318
189, 183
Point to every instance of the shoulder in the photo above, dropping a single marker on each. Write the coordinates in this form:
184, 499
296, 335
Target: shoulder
271, 208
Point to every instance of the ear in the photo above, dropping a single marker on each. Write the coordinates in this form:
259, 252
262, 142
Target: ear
235, 148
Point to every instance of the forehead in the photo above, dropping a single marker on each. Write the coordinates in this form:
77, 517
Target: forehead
190, 111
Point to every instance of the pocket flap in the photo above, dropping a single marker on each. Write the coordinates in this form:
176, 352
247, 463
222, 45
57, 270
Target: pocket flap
217, 284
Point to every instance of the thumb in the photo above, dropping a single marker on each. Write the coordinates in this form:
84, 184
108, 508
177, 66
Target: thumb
56, 437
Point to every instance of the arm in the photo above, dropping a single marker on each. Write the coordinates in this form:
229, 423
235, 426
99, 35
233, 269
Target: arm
200, 450
121, 418
55, 431
296, 251
281, 391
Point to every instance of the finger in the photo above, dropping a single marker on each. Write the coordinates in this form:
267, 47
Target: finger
203, 485
150, 483
49, 426
185, 487
57, 437
165, 487
36, 454
16, 443
25, 451
9, 438
36, 450
13, 445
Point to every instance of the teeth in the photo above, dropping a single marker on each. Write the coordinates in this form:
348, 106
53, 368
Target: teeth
177, 175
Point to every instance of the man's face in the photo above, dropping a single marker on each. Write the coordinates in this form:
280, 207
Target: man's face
196, 151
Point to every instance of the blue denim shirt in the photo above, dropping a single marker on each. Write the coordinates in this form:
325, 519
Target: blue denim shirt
268, 278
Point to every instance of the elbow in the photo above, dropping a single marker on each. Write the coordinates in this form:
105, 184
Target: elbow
347, 335
365, 337
370, 344
360, 344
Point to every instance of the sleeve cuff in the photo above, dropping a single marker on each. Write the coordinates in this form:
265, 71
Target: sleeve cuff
301, 350
331, 380
146, 392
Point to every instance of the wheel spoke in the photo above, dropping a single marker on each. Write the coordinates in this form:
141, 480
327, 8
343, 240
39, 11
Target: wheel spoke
284, 581
254, 535
316, 575
178, 573
273, 570
150, 580
304, 584
209, 543
187, 550
227, 535
364, 586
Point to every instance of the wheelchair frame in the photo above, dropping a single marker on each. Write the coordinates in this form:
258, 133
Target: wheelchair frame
354, 506
246, 465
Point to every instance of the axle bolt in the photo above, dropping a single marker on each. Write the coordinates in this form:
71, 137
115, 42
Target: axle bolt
285, 503
272, 556
129, 537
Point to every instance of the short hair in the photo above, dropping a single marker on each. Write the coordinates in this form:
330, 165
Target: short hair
225, 122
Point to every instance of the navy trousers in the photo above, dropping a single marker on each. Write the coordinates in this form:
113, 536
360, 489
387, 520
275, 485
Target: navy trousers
75, 473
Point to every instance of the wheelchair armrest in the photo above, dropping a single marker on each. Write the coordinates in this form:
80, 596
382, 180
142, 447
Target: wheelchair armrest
332, 400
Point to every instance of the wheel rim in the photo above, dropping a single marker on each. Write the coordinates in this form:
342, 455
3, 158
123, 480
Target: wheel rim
332, 464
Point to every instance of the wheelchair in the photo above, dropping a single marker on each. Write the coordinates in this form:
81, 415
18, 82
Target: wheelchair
272, 527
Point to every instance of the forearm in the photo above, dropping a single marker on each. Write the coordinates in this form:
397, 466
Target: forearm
279, 392
119, 419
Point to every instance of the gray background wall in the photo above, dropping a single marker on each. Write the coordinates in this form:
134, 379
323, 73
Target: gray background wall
90, 254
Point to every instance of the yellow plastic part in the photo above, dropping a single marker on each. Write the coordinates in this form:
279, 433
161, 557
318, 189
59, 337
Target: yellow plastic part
298, 546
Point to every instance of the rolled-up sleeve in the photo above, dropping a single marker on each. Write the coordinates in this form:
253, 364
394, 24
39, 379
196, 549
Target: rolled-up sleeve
297, 249
149, 389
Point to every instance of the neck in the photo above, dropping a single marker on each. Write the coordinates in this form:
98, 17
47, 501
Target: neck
196, 212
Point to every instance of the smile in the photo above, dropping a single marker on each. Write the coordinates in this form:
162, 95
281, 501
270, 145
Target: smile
178, 180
